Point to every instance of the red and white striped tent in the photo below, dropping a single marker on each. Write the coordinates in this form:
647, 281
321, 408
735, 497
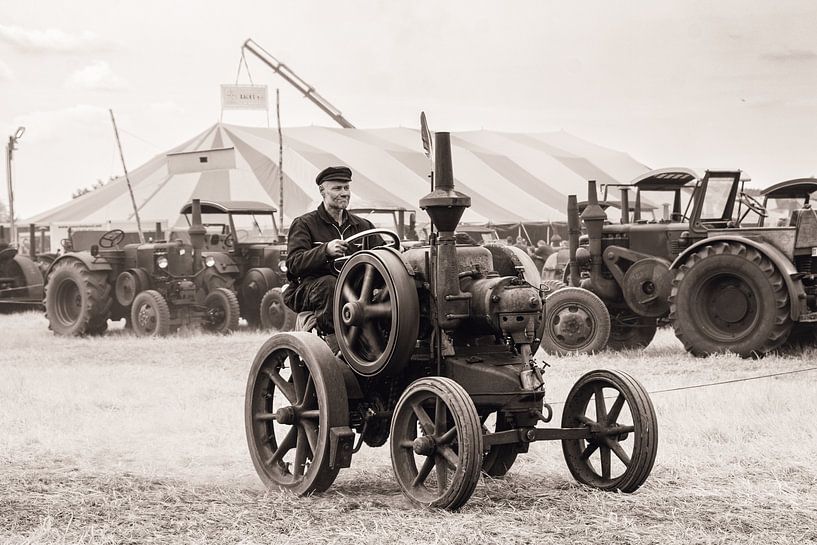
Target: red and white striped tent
511, 177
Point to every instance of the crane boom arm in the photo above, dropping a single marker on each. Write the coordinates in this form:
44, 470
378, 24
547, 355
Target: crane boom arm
290, 76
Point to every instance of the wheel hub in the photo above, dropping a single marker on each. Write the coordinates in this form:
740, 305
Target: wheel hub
352, 314
425, 446
286, 415
145, 316
731, 304
572, 324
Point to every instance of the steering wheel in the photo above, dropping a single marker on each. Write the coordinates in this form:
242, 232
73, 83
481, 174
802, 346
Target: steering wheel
111, 238
753, 204
67, 245
393, 242
229, 240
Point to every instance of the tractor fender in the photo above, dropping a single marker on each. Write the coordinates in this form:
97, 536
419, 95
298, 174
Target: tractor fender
224, 263
783, 264
93, 263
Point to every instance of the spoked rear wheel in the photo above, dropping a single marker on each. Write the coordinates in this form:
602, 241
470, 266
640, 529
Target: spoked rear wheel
436, 443
295, 396
624, 437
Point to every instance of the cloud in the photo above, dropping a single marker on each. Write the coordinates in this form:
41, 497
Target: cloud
80, 121
5, 72
97, 76
52, 40
790, 55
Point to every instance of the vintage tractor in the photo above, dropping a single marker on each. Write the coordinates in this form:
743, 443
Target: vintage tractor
434, 357
249, 255
157, 287
21, 280
723, 280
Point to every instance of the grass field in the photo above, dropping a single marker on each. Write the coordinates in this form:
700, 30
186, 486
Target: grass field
125, 440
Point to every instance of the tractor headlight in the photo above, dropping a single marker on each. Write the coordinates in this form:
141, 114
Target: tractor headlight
282, 266
210, 261
182, 251
161, 262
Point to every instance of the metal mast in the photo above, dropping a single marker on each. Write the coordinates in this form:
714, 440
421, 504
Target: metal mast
290, 76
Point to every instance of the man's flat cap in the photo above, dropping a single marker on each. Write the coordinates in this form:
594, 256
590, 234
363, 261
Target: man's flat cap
334, 174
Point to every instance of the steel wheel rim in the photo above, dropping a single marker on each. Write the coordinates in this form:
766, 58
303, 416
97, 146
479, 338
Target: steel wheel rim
729, 323
572, 325
604, 459
431, 438
217, 315
69, 302
288, 410
146, 318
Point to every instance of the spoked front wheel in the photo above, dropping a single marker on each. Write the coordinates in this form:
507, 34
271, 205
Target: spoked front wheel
620, 452
295, 396
436, 443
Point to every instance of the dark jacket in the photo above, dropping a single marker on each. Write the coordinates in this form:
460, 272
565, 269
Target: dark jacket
307, 239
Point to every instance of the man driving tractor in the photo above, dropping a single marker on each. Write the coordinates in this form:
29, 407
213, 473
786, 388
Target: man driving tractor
315, 240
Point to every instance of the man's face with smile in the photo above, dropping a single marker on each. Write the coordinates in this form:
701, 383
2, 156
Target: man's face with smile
336, 195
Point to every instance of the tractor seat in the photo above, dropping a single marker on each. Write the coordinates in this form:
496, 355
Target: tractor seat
306, 321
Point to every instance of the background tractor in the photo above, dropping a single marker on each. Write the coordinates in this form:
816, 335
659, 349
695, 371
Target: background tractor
248, 253
722, 279
435, 357
157, 287
21, 280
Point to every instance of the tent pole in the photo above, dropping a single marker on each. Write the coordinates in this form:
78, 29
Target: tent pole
280, 157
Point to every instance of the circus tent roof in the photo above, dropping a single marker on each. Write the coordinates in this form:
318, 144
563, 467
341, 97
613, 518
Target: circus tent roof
509, 176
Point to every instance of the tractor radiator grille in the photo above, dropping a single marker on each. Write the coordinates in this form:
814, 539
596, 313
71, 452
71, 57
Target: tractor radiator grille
805, 264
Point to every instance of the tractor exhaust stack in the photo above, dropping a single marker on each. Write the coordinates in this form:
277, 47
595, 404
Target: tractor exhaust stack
197, 232
445, 207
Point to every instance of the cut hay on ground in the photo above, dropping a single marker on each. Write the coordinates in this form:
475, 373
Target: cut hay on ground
125, 440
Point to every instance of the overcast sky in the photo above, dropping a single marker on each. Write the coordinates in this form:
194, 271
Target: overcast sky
672, 83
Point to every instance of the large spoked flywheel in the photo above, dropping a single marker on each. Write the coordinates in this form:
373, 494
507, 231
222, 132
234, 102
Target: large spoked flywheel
376, 313
295, 396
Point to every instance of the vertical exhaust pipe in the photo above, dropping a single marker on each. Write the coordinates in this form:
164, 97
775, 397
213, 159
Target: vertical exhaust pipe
197, 232
445, 207
573, 232
593, 217
32, 241
625, 205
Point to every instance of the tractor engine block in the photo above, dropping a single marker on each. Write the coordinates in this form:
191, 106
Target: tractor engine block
487, 304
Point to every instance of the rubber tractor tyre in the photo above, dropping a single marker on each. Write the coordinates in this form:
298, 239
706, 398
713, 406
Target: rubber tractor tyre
77, 300
629, 331
274, 314
575, 322
729, 297
222, 311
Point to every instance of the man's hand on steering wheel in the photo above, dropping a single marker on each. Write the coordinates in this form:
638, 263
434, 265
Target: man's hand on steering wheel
336, 248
